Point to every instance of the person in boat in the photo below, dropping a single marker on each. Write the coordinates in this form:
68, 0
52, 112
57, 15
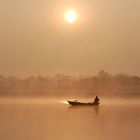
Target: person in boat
96, 100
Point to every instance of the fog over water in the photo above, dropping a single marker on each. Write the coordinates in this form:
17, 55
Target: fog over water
54, 119
44, 61
53, 101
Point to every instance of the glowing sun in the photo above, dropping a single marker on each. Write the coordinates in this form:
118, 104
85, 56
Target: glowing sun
70, 16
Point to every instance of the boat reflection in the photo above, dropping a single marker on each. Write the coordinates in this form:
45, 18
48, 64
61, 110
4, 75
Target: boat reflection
95, 108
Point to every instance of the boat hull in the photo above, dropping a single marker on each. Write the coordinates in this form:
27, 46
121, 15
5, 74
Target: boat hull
73, 103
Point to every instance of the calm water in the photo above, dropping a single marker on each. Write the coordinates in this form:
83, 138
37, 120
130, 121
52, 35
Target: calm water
42, 121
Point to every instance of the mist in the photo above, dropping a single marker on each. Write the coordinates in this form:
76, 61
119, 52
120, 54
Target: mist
105, 85
36, 40
51, 71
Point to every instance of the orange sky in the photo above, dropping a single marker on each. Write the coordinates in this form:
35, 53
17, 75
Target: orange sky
35, 39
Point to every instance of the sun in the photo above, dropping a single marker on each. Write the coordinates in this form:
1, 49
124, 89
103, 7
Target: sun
70, 16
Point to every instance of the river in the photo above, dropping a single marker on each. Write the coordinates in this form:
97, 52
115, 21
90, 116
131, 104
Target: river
59, 121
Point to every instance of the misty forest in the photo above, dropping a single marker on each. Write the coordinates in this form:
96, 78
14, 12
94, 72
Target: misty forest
59, 85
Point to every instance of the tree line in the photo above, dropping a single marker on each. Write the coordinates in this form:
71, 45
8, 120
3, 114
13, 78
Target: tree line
59, 85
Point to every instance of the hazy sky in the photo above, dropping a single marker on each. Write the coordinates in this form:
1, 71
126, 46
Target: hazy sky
35, 39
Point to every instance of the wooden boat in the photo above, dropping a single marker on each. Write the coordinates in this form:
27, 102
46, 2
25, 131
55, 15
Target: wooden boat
75, 103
